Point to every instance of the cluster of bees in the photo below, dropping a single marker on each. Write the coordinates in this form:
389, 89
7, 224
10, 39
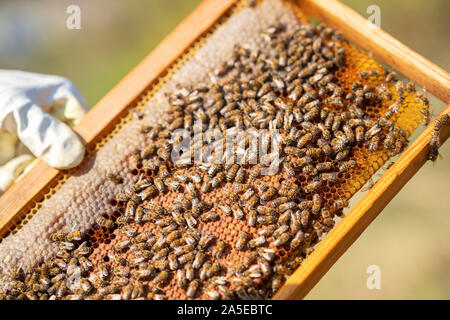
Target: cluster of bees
289, 86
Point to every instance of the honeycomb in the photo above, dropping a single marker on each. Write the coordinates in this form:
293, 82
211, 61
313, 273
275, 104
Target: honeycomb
85, 194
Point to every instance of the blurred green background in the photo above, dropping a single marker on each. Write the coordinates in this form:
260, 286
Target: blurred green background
409, 241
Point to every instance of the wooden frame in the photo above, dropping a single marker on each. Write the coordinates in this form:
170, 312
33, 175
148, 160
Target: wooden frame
113, 106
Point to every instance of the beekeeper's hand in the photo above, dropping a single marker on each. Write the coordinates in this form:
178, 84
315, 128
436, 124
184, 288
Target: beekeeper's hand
27, 101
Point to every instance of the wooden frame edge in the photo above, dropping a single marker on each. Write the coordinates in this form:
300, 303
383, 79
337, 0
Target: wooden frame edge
101, 118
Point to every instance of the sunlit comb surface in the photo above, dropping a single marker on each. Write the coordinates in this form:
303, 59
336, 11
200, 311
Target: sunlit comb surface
156, 229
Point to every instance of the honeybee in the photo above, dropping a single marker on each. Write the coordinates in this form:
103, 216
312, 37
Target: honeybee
374, 130
355, 122
277, 201
286, 206
161, 277
304, 140
326, 134
237, 211
252, 216
304, 217
349, 133
121, 246
203, 271
156, 208
206, 186
282, 240
391, 76
106, 223
242, 240
312, 186
297, 240
294, 151
219, 249
198, 260
254, 174
341, 155
213, 270
269, 194
141, 184
398, 147
185, 203
82, 250
325, 166
59, 236
192, 288
314, 152
329, 120
160, 185
336, 123
291, 191
347, 165
317, 204
209, 216
435, 141
374, 141
117, 179
218, 179
194, 177
433, 154
399, 86
226, 209
148, 151
287, 167
298, 115
266, 210
172, 184
261, 186
231, 173
257, 242
103, 270
122, 220
161, 255
163, 153
130, 210
122, 197
266, 219
301, 162
85, 263
339, 144
205, 240
129, 231
441, 121
339, 204
252, 202
172, 236
359, 133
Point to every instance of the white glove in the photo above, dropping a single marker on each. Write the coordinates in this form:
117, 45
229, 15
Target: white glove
13, 169
26, 99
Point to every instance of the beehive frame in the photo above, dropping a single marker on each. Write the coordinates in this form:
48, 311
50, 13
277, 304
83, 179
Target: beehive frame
106, 114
